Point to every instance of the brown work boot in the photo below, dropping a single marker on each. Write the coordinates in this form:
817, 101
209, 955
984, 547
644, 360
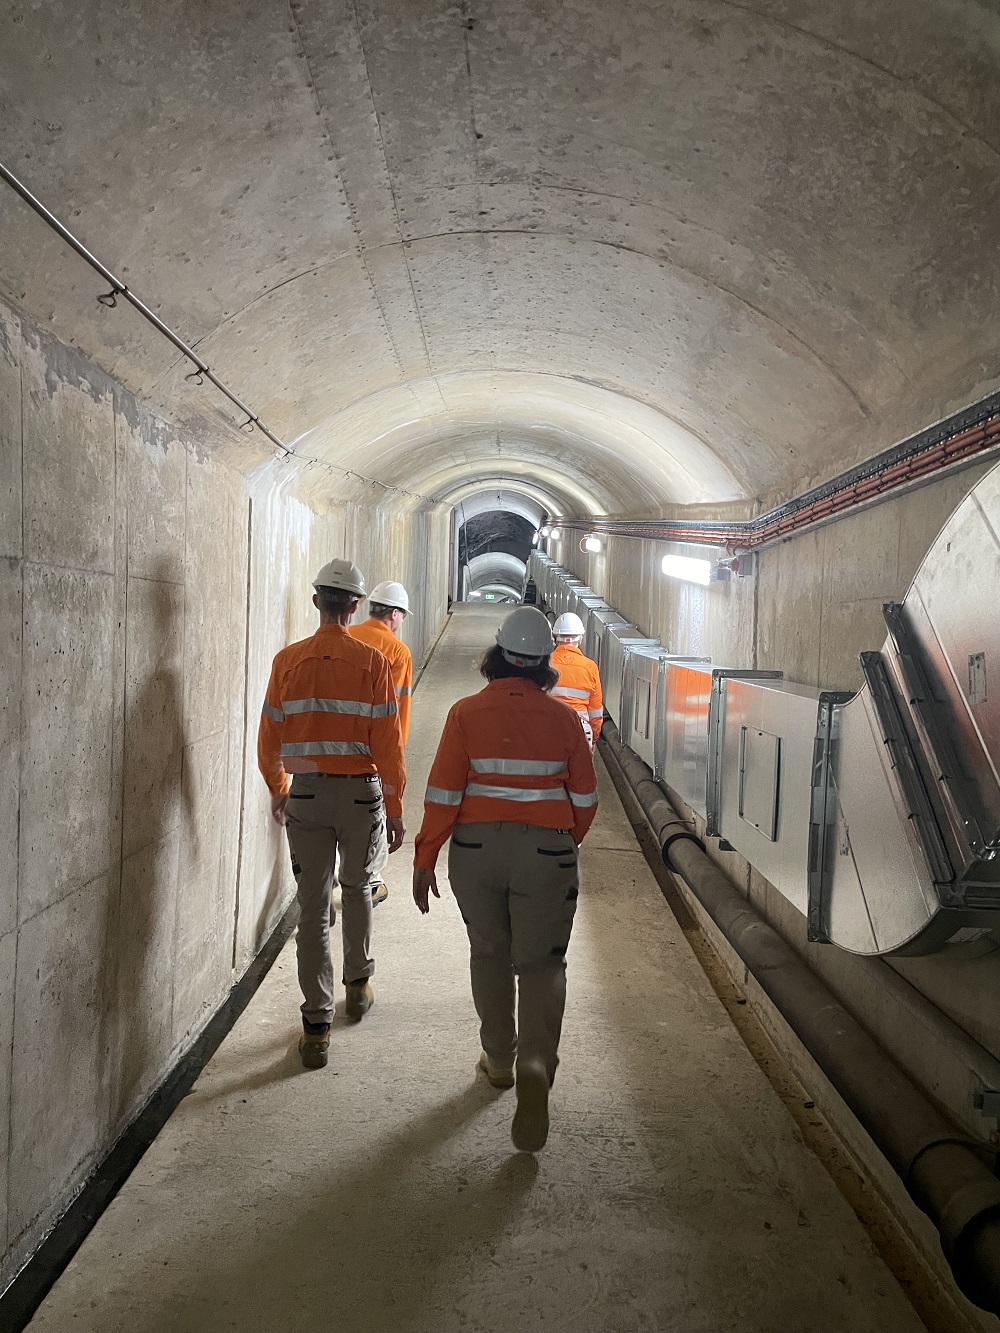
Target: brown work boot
497, 1075
314, 1047
360, 998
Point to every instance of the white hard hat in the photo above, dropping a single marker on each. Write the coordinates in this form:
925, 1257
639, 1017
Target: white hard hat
390, 594
569, 625
343, 575
525, 636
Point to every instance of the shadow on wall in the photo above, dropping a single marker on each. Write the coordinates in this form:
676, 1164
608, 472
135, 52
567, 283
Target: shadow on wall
137, 1039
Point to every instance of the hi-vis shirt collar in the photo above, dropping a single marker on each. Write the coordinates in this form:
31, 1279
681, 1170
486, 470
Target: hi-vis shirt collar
512, 685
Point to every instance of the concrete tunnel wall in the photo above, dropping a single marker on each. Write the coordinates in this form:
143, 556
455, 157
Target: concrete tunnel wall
139, 871
812, 606
649, 258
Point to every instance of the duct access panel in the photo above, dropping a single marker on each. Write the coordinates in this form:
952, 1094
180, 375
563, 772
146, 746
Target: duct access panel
641, 692
597, 625
619, 641
681, 737
761, 775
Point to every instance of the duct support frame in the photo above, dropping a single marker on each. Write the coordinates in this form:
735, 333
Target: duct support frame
945, 1173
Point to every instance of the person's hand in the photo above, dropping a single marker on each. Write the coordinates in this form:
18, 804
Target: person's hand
278, 804
424, 883
395, 831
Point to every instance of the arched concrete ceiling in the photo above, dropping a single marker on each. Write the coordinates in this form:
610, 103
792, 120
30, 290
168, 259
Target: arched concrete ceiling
649, 254
470, 503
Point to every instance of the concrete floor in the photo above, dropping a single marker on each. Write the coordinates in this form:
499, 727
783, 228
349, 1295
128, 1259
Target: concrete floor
383, 1194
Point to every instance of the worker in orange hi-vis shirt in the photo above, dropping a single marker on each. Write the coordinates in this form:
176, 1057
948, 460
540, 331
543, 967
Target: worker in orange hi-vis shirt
389, 605
330, 751
513, 784
579, 683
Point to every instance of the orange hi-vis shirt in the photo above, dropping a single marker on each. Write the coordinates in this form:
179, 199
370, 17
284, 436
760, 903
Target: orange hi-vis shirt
331, 708
579, 684
400, 659
509, 754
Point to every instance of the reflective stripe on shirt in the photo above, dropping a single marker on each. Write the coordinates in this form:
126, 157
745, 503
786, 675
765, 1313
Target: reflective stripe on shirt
275, 714
517, 793
295, 749
442, 796
404, 689
352, 706
540, 768
567, 693
595, 712
584, 798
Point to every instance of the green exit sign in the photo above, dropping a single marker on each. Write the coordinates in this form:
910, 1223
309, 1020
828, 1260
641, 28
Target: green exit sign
489, 596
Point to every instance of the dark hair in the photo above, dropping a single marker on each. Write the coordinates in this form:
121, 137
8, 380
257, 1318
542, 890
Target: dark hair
335, 601
380, 610
495, 666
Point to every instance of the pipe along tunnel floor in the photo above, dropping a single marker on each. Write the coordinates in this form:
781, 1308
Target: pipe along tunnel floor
382, 1194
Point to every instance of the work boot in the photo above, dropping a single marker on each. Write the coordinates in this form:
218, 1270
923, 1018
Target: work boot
531, 1119
314, 1047
360, 999
380, 892
497, 1075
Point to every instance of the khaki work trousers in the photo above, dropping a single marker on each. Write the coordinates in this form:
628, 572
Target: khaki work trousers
517, 886
327, 814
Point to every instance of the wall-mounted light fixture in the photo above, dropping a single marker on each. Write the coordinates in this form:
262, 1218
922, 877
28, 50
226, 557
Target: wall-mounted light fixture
687, 567
592, 544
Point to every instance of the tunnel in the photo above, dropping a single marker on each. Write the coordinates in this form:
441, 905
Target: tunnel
681, 314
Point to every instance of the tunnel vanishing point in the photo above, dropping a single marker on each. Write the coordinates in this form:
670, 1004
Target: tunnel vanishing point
678, 314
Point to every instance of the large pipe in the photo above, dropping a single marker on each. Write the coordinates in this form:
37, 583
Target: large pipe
943, 1171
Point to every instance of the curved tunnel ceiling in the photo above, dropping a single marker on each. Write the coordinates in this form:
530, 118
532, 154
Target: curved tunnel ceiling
638, 256
470, 503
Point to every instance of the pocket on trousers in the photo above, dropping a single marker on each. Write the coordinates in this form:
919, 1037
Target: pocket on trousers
302, 796
469, 846
557, 851
371, 801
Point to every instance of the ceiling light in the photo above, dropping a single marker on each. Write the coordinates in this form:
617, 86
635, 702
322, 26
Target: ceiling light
592, 543
687, 567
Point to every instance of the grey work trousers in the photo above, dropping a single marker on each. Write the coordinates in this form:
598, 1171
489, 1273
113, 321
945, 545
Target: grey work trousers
328, 813
517, 887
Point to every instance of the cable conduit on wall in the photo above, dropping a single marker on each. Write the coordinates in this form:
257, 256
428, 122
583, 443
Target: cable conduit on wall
966, 438
944, 1172
201, 368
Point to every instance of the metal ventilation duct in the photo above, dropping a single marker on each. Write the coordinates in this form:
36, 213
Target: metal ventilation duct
907, 848
877, 814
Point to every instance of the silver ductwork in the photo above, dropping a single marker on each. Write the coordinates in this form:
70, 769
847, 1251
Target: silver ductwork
877, 814
908, 840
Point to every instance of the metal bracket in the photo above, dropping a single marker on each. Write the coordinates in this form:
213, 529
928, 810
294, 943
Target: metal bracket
936, 730
820, 818
713, 797
987, 1103
907, 769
